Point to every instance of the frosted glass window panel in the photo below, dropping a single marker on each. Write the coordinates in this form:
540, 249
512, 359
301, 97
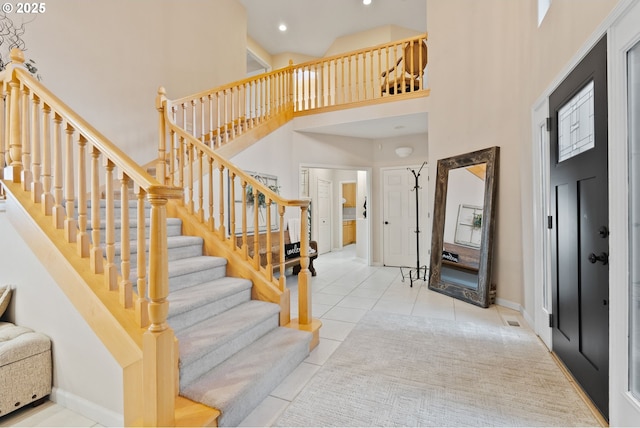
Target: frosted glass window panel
633, 97
576, 125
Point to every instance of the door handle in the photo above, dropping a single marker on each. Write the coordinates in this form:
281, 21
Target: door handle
386, 222
603, 257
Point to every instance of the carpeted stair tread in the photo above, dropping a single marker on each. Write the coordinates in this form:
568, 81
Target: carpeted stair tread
219, 337
194, 304
239, 384
173, 242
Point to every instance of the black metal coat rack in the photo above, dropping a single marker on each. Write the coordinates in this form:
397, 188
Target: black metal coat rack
418, 269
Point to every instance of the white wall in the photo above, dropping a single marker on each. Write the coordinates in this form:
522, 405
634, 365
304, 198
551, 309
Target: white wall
107, 59
86, 378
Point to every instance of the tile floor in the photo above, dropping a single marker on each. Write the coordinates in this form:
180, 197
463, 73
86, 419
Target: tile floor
344, 290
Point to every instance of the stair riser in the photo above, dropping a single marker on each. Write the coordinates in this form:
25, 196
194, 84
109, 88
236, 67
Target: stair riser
172, 230
194, 278
174, 254
187, 319
190, 372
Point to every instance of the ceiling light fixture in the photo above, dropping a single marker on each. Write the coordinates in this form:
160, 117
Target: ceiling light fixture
282, 27
366, 2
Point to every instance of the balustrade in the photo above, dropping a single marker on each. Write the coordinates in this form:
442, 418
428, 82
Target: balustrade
53, 170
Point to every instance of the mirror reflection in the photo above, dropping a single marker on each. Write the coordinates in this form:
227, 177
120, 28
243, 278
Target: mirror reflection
463, 223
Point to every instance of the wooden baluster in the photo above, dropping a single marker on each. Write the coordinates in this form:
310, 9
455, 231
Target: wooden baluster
268, 239
356, 87
221, 202
190, 150
217, 119
200, 187
245, 248
158, 342
304, 277
142, 304
82, 237
194, 124
387, 76
372, 76
212, 221
111, 272
232, 208
26, 143
96, 261
15, 148
161, 163
353, 87
396, 72
316, 102
126, 288
232, 110
203, 135
272, 96
282, 281
70, 223
181, 166
36, 184
173, 152
256, 231
58, 210
184, 116
254, 105
342, 82
225, 112
212, 130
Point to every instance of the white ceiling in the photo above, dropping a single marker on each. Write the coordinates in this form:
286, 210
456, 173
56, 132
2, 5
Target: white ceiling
312, 27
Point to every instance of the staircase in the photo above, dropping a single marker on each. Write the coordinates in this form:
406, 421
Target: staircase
232, 351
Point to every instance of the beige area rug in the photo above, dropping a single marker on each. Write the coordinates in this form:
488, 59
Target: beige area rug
395, 370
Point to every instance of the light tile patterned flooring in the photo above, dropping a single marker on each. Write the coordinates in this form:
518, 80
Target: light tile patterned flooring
344, 290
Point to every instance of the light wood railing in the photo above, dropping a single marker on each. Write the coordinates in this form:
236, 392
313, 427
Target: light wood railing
386, 72
235, 209
68, 168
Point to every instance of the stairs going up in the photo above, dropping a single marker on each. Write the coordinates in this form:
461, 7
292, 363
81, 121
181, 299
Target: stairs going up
232, 351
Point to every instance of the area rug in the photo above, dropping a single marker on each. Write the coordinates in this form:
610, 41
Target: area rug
395, 370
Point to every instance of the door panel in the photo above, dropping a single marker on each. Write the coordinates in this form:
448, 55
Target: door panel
324, 216
579, 243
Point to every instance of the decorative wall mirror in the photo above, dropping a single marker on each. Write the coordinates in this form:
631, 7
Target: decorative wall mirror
463, 225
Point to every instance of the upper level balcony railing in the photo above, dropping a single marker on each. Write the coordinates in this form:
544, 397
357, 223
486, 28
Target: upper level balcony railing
376, 74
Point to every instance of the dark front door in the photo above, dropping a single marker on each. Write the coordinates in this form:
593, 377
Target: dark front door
580, 221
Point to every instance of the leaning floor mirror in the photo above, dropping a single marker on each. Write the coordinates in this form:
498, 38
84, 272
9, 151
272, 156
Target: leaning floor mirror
463, 226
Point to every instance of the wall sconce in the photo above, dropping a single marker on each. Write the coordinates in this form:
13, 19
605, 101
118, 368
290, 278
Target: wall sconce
403, 152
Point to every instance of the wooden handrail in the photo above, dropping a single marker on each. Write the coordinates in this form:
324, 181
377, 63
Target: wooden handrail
48, 145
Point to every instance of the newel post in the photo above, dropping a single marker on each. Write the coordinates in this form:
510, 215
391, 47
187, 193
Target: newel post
161, 102
15, 137
304, 277
160, 370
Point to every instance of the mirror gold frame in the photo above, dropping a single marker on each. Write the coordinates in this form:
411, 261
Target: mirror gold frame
484, 293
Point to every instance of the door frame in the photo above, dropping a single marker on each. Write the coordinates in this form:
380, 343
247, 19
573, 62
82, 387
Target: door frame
370, 197
624, 409
425, 228
541, 258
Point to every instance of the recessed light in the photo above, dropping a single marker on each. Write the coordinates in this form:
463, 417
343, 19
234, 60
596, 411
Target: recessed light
282, 27
366, 2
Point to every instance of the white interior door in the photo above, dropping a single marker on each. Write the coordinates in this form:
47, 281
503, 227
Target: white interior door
399, 217
324, 216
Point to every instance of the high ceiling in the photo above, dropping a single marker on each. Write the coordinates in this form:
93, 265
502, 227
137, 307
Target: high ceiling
312, 27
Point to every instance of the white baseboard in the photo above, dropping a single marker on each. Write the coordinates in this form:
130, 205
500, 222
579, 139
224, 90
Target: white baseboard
86, 408
509, 304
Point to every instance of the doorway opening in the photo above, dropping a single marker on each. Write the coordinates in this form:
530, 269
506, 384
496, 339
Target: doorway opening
339, 200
